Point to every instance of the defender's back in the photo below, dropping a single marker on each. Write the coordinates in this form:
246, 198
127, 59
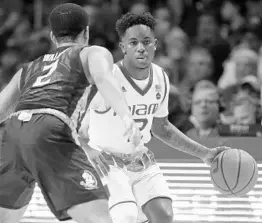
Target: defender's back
56, 80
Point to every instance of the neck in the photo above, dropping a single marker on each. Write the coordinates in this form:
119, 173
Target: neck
65, 44
136, 73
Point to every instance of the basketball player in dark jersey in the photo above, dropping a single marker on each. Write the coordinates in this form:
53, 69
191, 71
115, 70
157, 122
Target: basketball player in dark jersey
40, 143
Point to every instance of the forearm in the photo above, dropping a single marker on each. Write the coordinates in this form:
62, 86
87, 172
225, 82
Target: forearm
7, 108
174, 138
100, 62
9, 97
113, 97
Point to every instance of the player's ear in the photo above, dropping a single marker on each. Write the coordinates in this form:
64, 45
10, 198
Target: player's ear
155, 44
52, 37
122, 47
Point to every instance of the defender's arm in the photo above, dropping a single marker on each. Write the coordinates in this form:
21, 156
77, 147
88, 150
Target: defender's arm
9, 96
100, 64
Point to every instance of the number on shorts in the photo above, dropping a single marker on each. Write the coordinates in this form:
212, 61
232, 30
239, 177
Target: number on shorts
50, 69
142, 122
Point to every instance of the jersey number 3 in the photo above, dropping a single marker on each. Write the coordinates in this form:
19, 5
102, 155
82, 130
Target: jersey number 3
45, 79
141, 122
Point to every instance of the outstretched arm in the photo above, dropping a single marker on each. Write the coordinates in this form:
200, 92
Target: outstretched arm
9, 96
98, 62
170, 135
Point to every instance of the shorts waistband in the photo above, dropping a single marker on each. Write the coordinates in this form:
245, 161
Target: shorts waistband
133, 164
60, 115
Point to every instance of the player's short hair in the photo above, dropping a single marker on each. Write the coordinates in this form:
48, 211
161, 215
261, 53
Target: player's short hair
68, 20
130, 19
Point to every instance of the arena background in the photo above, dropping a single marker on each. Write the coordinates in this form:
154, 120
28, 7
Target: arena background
25, 36
194, 198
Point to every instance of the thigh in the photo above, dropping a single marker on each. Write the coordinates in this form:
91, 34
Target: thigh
16, 182
150, 184
11, 215
60, 167
93, 212
119, 186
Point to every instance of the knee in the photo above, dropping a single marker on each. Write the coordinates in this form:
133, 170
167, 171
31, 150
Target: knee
164, 214
167, 214
159, 210
124, 212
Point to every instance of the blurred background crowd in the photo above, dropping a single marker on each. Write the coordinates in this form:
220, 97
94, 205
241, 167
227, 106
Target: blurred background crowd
211, 50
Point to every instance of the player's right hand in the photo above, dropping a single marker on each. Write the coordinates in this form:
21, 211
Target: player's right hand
212, 153
139, 150
99, 162
132, 131
96, 158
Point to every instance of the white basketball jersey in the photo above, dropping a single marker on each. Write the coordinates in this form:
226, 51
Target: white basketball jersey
146, 100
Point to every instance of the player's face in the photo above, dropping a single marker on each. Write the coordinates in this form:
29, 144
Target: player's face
139, 45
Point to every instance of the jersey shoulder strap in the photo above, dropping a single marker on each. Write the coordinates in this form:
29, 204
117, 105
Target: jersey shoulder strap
162, 80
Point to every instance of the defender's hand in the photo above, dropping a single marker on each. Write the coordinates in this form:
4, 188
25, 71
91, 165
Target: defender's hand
96, 158
99, 162
212, 153
140, 150
132, 131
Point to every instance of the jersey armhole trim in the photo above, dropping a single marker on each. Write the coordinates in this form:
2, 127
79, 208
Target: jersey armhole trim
102, 112
165, 84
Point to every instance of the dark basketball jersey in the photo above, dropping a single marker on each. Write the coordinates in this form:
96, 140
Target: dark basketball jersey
57, 81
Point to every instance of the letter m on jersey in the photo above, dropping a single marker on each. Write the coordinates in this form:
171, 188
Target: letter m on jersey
143, 109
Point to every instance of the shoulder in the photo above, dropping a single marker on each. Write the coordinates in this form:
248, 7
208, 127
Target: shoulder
118, 72
160, 75
96, 50
116, 67
95, 55
159, 71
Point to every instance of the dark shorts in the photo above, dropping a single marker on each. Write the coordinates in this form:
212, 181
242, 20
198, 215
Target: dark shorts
42, 150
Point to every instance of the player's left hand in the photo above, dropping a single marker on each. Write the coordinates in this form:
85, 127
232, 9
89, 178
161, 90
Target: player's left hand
212, 153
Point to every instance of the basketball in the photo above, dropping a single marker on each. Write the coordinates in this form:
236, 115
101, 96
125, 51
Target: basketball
234, 172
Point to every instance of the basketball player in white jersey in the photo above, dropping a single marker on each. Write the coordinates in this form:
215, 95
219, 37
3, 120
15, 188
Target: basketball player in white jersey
136, 181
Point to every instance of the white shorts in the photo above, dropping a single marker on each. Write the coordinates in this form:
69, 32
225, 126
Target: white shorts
137, 187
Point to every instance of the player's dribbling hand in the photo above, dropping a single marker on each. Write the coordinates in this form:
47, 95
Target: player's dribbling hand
212, 153
132, 131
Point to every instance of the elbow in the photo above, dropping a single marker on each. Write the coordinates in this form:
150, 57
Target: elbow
161, 131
